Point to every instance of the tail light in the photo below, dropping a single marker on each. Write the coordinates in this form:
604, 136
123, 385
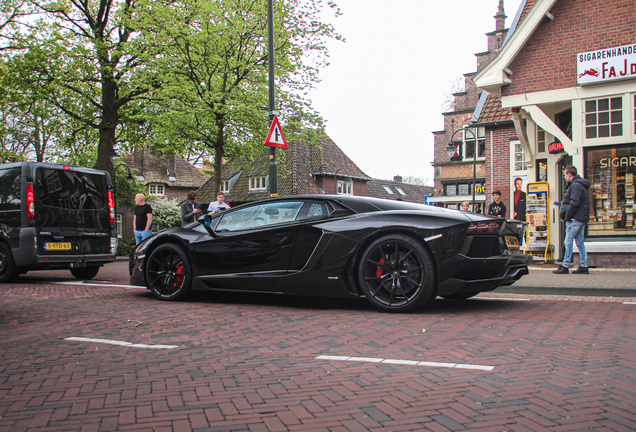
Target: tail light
484, 228
30, 202
111, 207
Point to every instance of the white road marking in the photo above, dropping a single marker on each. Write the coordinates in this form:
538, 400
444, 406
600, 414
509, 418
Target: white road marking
98, 284
629, 302
122, 343
501, 298
405, 362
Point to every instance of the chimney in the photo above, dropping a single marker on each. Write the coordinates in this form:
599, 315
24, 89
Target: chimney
397, 179
500, 18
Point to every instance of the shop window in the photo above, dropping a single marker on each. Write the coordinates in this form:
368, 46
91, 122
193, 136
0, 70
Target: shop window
542, 170
604, 117
611, 172
469, 143
635, 114
257, 183
156, 189
462, 189
451, 190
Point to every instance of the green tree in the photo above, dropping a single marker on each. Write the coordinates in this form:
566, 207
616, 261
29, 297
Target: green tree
214, 96
85, 59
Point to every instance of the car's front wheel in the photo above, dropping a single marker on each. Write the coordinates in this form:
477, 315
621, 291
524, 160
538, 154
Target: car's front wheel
168, 272
8, 270
396, 274
85, 273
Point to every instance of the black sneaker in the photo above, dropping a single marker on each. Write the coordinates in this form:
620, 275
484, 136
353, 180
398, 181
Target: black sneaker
581, 270
562, 270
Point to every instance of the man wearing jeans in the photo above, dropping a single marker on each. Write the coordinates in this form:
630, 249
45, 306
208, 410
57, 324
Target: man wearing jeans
575, 210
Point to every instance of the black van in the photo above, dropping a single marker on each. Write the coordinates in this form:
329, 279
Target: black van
55, 217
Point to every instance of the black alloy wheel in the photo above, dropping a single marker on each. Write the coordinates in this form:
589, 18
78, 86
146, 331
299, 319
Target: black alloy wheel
8, 270
396, 274
85, 273
168, 272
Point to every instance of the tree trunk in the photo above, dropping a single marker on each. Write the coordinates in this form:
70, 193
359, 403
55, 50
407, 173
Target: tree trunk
108, 125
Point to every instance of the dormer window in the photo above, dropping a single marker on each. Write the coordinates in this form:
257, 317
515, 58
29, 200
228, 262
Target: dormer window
156, 189
258, 183
345, 187
225, 186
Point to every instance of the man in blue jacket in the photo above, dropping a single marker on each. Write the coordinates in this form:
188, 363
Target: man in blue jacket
575, 211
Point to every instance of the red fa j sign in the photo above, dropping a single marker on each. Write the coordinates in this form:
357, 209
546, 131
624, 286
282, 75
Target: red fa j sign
556, 147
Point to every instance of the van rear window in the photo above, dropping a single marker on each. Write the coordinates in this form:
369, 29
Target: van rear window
73, 190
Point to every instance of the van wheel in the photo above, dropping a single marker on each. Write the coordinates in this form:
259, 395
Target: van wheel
88, 272
8, 270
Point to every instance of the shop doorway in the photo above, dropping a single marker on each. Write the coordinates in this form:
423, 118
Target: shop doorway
563, 162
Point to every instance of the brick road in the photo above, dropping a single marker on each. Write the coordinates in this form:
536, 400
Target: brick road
248, 363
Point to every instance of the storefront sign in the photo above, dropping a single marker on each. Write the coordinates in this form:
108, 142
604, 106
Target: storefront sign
605, 65
556, 147
618, 162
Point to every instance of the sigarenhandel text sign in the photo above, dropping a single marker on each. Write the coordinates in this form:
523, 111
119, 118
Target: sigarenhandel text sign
275, 137
608, 64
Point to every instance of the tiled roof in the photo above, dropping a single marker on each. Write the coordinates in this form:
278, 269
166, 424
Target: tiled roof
297, 169
492, 111
159, 169
412, 193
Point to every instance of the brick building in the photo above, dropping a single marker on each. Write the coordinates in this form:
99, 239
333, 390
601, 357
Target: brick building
567, 76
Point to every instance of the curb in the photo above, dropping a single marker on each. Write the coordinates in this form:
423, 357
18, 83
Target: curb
572, 291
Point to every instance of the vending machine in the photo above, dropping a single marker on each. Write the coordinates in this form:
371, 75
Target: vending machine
537, 215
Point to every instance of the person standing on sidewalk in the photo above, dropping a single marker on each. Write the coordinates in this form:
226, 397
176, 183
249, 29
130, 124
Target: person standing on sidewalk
142, 219
497, 208
190, 209
575, 211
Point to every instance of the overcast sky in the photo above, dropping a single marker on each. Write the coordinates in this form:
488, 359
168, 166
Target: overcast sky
382, 93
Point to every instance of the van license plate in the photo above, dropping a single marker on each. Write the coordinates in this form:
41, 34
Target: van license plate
512, 242
57, 246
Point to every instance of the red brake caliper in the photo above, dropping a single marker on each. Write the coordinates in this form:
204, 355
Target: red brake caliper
379, 270
180, 276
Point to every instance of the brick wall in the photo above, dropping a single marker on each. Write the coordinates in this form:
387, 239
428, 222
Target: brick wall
498, 167
548, 60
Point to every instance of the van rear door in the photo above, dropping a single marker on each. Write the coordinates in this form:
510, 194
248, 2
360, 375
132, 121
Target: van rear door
71, 211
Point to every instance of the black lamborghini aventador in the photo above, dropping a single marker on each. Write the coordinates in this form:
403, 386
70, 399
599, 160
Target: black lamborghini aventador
397, 255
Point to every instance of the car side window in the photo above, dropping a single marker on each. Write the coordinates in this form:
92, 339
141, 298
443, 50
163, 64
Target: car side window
10, 188
259, 216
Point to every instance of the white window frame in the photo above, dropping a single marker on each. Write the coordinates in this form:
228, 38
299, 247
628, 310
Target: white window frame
399, 189
628, 114
157, 189
468, 138
119, 225
225, 186
344, 188
258, 183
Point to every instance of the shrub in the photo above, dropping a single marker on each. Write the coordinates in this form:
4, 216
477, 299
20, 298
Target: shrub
166, 213
125, 247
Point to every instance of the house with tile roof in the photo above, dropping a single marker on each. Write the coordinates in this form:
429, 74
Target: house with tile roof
305, 169
163, 176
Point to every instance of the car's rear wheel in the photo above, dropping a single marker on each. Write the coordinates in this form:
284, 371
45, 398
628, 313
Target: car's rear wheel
8, 270
85, 273
168, 272
396, 274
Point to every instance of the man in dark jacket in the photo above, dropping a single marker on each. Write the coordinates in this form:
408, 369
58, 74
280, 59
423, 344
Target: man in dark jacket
575, 211
190, 209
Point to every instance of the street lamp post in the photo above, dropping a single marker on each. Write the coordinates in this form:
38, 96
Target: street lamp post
451, 149
348, 179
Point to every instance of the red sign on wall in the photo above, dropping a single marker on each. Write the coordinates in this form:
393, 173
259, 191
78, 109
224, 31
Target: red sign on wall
556, 147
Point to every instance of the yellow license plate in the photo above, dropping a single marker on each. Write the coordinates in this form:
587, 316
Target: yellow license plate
512, 242
57, 246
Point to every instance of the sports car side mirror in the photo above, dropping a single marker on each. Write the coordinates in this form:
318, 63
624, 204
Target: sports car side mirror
206, 220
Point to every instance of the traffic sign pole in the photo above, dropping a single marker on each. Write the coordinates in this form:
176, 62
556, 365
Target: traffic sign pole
273, 166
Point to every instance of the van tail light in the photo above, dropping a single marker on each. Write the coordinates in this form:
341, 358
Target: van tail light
30, 202
111, 207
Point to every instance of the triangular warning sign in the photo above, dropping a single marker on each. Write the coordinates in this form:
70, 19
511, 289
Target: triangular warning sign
275, 137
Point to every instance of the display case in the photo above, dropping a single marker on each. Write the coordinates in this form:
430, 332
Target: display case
538, 230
